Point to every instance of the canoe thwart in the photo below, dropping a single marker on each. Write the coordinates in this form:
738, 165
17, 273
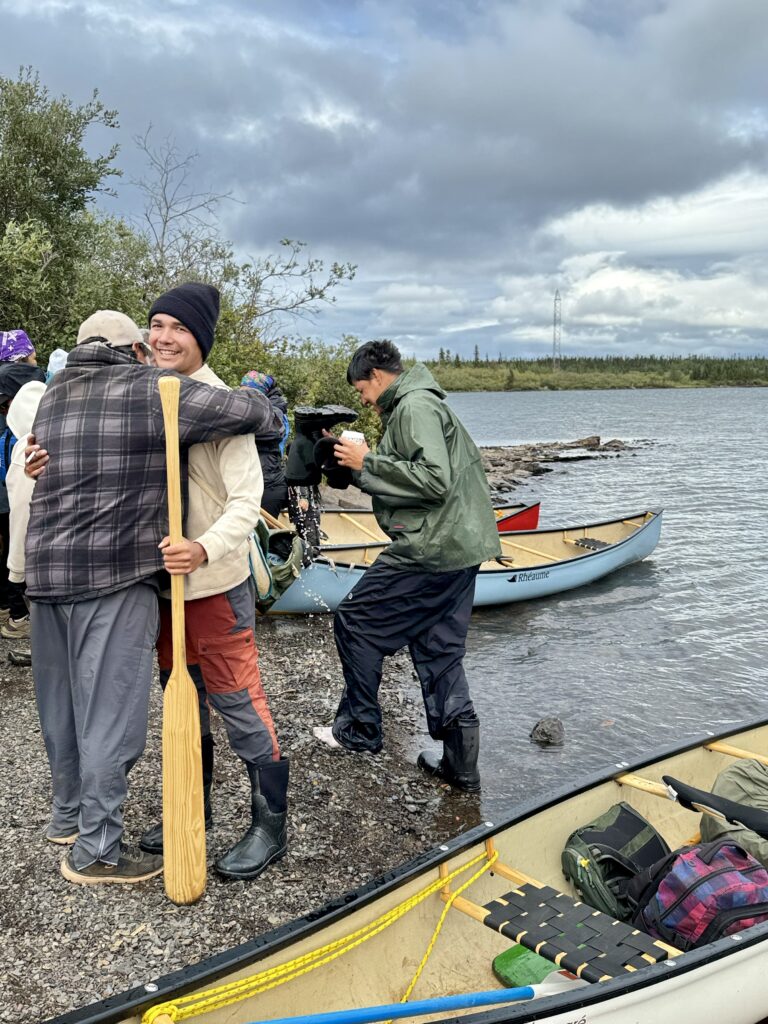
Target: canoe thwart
572, 935
718, 747
530, 551
644, 785
358, 525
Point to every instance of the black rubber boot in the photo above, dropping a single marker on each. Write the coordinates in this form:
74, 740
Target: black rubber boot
458, 765
266, 839
152, 840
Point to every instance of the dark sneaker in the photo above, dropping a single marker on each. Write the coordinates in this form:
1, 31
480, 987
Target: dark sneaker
133, 866
62, 837
20, 656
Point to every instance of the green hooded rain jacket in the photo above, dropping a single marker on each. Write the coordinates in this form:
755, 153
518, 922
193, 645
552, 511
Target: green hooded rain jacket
430, 493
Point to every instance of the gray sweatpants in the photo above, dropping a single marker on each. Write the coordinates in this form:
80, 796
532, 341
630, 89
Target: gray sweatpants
92, 665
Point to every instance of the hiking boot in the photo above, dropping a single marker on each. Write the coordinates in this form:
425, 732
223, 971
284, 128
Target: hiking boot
151, 841
266, 840
20, 656
62, 837
458, 765
133, 866
16, 629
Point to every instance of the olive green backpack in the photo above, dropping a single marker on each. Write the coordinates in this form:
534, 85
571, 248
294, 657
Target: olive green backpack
602, 857
276, 558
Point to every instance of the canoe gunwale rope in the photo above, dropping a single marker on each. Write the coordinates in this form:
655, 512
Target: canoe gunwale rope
187, 1007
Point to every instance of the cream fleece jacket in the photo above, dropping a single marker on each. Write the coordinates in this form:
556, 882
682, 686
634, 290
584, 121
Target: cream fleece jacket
21, 416
231, 470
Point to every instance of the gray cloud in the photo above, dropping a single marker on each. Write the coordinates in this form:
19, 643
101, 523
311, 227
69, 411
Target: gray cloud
437, 144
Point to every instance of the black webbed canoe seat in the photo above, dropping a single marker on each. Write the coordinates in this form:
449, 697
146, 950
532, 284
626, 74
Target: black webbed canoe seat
573, 935
591, 543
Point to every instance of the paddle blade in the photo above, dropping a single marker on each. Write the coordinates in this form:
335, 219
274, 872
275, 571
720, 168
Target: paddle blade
183, 813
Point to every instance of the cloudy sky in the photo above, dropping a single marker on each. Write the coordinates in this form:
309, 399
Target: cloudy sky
471, 156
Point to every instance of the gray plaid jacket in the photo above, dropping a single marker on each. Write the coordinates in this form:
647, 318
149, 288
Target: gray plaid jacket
100, 509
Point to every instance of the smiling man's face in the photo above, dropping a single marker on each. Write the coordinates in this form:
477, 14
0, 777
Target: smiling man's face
174, 346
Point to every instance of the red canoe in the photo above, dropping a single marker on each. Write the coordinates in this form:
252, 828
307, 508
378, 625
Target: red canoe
511, 518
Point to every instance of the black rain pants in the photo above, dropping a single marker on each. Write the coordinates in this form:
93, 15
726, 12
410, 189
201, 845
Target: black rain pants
393, 608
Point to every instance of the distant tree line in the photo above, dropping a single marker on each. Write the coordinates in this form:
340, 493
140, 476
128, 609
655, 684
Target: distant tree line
591, 372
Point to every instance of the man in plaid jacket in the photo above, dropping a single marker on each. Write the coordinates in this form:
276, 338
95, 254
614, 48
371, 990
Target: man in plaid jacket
97, 516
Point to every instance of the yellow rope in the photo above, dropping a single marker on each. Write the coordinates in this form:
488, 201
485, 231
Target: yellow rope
439, 925
187, 1007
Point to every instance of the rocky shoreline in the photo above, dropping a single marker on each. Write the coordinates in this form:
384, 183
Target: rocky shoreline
352, 817
508, 466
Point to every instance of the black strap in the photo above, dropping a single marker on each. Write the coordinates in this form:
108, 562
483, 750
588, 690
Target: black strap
737, 814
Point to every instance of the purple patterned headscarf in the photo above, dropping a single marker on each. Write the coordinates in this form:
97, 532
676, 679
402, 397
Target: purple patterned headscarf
258, 380
15, 345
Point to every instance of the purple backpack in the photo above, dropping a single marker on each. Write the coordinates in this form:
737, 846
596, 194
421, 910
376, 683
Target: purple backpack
699, 893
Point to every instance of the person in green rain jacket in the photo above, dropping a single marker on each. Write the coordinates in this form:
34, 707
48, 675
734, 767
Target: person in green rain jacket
429, 489
430, 495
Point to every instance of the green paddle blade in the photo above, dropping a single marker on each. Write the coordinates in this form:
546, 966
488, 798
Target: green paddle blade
519, 966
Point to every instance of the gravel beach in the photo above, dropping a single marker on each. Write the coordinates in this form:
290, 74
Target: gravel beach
351, 817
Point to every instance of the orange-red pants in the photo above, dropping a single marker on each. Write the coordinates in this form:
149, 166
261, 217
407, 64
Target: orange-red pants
223, 661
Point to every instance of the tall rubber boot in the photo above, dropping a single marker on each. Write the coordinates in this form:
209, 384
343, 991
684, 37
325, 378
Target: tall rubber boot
266, 840
152, 840
458, 765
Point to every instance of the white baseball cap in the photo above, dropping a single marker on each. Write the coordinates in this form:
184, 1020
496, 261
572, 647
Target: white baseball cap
116, 328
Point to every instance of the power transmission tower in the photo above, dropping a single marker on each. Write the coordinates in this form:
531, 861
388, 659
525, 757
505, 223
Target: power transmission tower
556, 327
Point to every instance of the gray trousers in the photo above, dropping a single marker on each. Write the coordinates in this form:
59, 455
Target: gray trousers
92, 664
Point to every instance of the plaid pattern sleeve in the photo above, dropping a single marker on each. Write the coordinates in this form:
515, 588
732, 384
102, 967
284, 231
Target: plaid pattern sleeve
99, 511
209, 413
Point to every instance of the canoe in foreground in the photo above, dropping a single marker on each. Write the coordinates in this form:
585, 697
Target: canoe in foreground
535, 564
365, 948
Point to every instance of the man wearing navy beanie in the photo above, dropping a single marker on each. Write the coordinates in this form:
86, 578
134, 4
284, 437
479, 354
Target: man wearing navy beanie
196, 306
225, 488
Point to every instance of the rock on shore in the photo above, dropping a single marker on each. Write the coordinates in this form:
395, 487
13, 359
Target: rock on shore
509, 466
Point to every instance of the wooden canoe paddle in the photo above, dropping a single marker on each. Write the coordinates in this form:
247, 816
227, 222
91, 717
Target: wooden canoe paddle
183, 816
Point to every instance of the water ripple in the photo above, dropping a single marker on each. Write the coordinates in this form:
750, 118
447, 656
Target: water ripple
670, 647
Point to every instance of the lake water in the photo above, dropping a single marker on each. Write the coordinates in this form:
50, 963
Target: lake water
671, 647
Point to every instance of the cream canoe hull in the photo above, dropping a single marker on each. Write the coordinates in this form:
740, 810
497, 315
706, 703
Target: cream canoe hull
536, 564
725, 981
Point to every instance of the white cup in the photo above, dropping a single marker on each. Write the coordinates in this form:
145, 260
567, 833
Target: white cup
353, 435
